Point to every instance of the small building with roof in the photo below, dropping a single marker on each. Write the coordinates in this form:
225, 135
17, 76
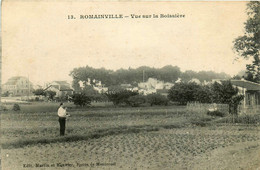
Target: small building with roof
62, 88
250, 90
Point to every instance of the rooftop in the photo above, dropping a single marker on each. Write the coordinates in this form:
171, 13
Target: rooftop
246, 84
13, 80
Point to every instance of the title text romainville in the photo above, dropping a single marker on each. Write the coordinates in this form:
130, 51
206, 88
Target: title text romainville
121, 16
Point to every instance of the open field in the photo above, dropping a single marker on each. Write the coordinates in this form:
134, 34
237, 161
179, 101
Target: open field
129, 138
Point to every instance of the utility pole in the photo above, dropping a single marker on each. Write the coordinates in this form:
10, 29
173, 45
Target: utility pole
143, 76
28, 87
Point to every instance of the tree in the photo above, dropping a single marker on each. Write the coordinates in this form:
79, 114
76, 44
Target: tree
81, 99
248, 45
90, 76
183, 92
227, 94
223, 93
233, 105
169, 73
203, 94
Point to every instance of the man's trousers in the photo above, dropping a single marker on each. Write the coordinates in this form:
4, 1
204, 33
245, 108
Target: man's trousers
62, 121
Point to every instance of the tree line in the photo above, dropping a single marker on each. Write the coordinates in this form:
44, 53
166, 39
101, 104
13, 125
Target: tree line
132, 76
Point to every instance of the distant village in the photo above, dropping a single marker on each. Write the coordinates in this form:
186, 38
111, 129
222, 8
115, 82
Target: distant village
21, 87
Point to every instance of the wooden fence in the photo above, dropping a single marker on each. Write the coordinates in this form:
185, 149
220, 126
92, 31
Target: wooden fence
205, 107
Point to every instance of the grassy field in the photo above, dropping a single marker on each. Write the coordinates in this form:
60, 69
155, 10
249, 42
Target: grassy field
128, 138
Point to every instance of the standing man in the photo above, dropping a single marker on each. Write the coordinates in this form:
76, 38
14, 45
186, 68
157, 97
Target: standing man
62, 113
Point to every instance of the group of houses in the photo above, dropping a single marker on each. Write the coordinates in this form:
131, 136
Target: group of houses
21, 86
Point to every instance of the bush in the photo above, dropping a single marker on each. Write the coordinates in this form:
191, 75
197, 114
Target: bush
50, 94
6, 94
16, 107
39, 92
136, 101
157, 99
216, 113
81, 99
3, 108
120, 97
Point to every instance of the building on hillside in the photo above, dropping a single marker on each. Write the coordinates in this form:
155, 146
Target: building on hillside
168, 85
152, 85
194, 80
100, 87
97, 85
178, 80
18, 86
146, 91
129, 87
62, 88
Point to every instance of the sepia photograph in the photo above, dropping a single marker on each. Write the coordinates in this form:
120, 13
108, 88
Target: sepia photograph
125, 85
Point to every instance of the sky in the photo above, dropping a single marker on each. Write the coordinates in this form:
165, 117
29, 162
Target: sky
40, 42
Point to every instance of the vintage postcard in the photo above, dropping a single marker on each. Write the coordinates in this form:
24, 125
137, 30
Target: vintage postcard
130, 85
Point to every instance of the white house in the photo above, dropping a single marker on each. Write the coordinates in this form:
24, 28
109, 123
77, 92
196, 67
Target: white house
153, 86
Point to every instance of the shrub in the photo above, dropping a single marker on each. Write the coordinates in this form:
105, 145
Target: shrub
16, 107
6, 94
3, 108
156, 99
120, 97
136, 101
216, 113
81, 99
50, 94
39, 92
